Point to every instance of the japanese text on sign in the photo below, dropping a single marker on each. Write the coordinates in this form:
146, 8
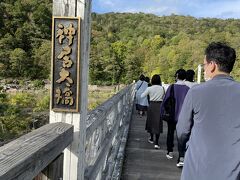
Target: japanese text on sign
65, 86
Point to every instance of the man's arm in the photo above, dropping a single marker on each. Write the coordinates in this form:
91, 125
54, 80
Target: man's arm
145, 93
185, 119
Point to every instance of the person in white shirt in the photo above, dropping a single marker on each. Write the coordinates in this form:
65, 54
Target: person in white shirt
154, 124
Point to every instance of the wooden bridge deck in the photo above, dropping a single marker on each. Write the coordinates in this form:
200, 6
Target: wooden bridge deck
142, 161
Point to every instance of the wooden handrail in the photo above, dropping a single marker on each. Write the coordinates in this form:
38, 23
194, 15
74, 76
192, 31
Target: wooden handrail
25, 157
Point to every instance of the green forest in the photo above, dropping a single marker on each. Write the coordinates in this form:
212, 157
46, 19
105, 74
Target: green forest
25, 53
25, 38
126, 45
123, 45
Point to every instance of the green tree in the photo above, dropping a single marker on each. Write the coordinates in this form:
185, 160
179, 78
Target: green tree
42, 60
18, 62
116, 65
42, 19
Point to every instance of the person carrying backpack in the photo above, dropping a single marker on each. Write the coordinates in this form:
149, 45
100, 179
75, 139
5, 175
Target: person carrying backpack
174, 97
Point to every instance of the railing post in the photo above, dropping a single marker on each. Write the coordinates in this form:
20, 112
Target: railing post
74, 155
53, 170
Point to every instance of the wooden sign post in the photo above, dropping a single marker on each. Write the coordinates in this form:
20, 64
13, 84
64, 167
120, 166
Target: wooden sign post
70, 57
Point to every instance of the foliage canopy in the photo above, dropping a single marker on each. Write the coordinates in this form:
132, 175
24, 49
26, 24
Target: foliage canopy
123, 45
129, 44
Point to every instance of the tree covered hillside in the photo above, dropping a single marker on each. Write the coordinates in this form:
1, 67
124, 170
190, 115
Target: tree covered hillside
123, 45
25, 38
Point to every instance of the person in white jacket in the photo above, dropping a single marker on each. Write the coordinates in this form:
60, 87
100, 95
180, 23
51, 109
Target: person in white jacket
141, 102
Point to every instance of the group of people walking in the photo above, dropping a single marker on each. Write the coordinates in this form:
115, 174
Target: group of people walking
206, 117
151, 98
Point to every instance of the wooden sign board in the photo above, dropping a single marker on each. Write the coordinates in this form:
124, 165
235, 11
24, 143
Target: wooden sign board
65, 64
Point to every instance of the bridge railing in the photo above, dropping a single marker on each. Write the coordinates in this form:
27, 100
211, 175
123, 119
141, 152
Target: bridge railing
39, 153
107, 129
27, 156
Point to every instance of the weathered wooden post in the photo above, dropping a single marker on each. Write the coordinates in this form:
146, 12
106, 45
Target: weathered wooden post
71, 40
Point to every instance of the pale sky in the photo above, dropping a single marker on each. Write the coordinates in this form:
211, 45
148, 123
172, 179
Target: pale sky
198, 8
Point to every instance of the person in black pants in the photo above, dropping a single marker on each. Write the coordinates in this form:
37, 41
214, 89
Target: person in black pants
170, 138
177, 90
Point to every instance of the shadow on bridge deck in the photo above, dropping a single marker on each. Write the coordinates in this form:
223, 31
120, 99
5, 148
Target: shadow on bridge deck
142, 161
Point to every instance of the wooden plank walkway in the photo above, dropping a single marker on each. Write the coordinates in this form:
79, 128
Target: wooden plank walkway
142, 161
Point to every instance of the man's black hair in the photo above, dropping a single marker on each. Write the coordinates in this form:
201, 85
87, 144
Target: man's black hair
180, 74
222, 54
190, 75
142, 77
147, 79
